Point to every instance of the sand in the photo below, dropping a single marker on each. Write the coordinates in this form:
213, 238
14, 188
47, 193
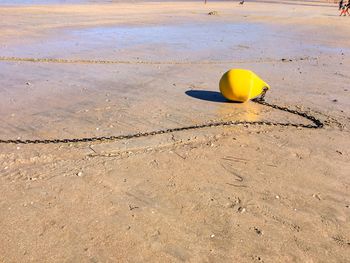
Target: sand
245, 193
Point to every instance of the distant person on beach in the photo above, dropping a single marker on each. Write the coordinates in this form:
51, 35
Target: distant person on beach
345, 9
341, 2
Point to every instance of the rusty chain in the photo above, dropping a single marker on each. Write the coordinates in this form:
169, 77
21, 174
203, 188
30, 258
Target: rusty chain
316, 124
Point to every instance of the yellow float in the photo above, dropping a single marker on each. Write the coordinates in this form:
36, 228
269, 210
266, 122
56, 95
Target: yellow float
242, 85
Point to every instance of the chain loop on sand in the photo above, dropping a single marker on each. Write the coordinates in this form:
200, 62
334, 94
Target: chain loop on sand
316, 124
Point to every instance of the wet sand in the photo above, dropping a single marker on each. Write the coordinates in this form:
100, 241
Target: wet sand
222, 194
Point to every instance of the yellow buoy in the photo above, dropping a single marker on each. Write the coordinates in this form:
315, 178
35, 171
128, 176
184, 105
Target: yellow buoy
241, 85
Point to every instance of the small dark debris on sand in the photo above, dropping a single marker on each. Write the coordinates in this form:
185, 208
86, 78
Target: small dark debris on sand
213, 13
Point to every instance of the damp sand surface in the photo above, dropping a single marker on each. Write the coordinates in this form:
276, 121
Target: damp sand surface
248, 193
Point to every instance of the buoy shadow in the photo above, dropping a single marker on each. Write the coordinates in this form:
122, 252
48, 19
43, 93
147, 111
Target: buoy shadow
207, 95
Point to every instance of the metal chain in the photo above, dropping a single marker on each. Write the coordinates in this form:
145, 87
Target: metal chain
316, 124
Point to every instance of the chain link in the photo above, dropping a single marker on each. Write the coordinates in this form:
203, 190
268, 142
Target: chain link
316, 124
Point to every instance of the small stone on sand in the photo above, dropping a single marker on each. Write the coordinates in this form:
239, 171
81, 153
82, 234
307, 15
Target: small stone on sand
213, 13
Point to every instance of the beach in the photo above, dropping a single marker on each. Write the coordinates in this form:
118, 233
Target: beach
116, 145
